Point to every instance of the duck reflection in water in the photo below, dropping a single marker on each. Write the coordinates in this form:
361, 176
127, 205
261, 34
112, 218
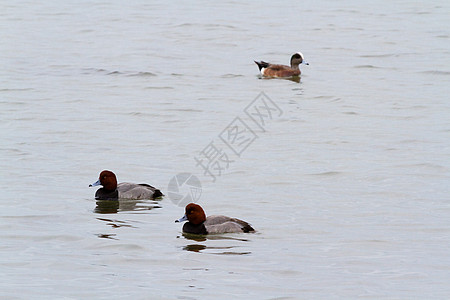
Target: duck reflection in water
194, 247
219, 250
295, 79
224, 250
115, 206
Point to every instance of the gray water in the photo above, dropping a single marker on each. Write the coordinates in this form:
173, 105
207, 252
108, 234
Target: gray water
346, 183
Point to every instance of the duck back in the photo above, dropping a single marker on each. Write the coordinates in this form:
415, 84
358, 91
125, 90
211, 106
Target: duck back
135, 191
224, 224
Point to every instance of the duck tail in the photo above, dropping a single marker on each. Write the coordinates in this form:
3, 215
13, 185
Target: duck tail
261, 64
156, 193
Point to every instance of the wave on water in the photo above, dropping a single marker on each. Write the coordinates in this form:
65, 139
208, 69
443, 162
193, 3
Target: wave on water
329, 173
365, 67
116, 72
436, 72
231, 75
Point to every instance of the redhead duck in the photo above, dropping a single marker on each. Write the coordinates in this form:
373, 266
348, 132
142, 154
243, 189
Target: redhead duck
270, 70
200, 224
132, 191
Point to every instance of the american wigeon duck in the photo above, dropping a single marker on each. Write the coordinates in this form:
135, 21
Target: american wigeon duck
200, 224
132, 191
271, 70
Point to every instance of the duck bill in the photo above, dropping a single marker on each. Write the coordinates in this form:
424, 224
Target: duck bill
182, 219
305, 63
95, 183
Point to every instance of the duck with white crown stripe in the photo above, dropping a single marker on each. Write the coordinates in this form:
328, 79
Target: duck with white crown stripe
282, 71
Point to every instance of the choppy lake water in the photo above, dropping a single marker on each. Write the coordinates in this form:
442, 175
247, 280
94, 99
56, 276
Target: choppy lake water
346, 183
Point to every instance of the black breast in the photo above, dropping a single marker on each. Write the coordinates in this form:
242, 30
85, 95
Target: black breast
103, 194
188, 227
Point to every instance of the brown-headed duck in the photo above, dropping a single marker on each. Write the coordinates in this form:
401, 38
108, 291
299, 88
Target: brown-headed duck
271, 70
200, 224
132, 191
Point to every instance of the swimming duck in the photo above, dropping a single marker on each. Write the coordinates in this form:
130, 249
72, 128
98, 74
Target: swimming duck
132, 191
270, 70
200, 224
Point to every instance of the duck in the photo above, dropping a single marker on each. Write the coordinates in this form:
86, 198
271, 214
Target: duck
282, 71
125, 190
198, 223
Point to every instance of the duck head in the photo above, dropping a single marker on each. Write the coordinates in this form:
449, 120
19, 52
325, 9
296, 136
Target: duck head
194, 214
297, 59
107, 179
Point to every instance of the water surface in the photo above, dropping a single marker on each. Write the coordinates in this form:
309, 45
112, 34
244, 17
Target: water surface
347, 185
